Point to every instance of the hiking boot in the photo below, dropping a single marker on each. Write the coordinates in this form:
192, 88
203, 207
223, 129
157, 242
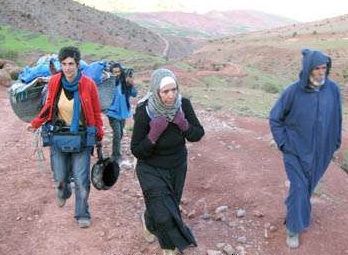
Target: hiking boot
84, 222
149, 237
60, 201
59, 198
292, 239
169, 252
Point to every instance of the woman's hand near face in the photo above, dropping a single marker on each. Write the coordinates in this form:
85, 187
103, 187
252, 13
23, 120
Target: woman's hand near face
157, 127
181, 121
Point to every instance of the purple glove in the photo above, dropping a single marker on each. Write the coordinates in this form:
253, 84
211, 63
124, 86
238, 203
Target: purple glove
157, 126
181, 121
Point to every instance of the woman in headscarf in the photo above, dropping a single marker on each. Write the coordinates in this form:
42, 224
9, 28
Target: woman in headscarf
163, 121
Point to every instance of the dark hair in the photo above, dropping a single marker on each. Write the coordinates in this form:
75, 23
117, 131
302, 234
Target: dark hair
116, 65
69, 51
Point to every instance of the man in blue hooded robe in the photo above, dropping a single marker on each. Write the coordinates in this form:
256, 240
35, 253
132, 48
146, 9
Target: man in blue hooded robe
306, 124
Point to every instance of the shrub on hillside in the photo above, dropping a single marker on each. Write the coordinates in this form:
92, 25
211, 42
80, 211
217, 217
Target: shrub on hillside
271, 88
345, 74
344, 164
8, 54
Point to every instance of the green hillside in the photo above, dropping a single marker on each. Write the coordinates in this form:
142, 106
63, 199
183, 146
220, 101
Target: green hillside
18, 44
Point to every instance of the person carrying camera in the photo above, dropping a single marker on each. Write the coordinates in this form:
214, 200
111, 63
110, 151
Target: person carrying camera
71, 123
120, 108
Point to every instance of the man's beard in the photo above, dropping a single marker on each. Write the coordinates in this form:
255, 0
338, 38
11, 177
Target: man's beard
318, 81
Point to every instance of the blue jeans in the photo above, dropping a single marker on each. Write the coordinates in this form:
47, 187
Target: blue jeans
79, 164
117, 134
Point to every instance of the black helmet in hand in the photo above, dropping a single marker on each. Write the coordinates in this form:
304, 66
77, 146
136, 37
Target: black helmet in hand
105, 172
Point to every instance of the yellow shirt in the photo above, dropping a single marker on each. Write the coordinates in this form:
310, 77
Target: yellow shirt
65, 109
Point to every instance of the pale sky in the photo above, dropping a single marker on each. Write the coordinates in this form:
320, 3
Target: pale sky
301, 10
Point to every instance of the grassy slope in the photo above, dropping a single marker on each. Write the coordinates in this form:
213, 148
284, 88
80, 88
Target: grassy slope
15, 44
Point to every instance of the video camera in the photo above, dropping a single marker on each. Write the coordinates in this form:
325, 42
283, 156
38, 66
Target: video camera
128, 72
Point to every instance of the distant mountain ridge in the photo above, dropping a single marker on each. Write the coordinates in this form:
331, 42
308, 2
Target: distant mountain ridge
135, 5
184, 32
211, 24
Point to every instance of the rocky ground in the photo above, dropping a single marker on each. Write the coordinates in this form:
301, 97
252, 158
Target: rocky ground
233, 199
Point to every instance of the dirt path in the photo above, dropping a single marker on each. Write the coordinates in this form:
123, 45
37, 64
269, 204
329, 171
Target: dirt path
233, 166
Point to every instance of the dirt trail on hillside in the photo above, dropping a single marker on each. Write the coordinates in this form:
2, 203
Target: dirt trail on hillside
234, 166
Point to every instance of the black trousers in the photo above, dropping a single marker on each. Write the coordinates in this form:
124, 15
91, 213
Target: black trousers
162, 189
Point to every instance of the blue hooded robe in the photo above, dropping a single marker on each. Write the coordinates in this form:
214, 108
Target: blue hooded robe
306, 125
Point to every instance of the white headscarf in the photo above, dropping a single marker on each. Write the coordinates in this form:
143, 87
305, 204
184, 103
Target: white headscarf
155, 106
